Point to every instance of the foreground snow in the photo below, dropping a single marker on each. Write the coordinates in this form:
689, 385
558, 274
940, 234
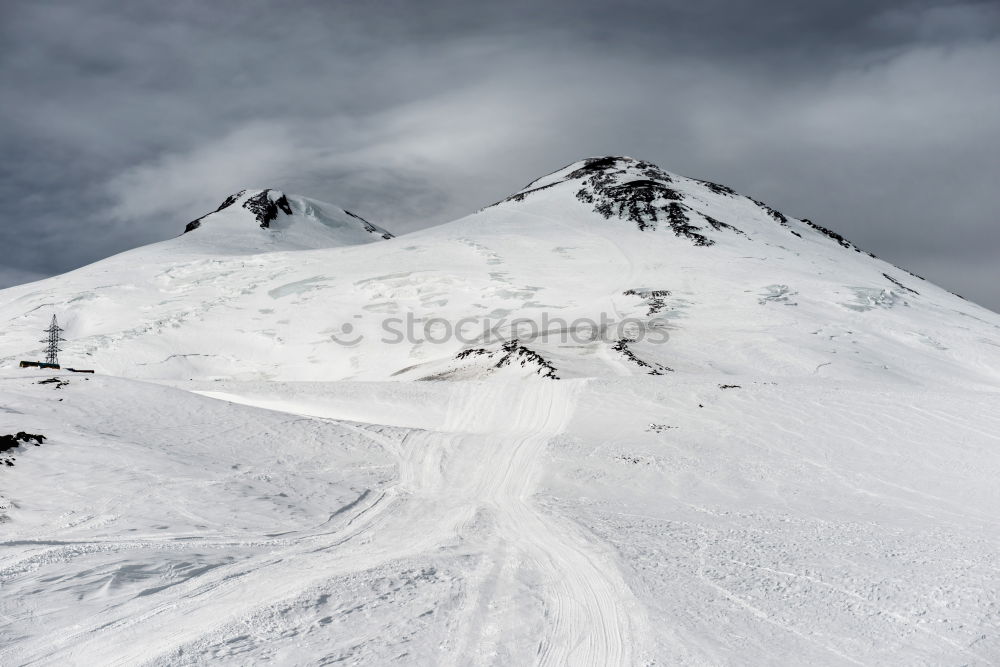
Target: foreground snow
498, 523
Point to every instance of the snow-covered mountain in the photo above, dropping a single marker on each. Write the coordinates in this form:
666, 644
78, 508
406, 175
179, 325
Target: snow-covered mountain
620, 417
738, 287
252, 221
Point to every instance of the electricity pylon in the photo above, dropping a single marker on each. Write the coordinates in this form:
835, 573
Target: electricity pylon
53, 340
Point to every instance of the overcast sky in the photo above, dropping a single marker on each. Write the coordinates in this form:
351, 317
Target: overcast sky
122, 121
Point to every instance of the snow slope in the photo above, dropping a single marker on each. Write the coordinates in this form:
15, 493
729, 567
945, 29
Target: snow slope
786, 454
771, 295
530, 522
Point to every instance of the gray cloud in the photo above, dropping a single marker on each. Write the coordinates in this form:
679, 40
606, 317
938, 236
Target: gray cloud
10, 276
122, 121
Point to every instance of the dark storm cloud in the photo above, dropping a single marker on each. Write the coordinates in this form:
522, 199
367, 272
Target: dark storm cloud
119, 122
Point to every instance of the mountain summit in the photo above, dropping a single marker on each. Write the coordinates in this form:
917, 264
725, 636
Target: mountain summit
639, 192
265, 220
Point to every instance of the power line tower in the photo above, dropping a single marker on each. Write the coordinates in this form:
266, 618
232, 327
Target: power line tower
53, 340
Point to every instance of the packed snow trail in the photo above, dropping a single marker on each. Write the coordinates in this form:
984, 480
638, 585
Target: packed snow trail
590, 617
484, 460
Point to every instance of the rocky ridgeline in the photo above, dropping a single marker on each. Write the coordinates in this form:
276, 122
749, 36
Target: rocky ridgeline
641, 192
264, 207
637, 191
829, 233
369, 227
622, 347
513, 353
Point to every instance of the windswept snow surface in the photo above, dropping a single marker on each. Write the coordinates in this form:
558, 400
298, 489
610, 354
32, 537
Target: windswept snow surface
802, 471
